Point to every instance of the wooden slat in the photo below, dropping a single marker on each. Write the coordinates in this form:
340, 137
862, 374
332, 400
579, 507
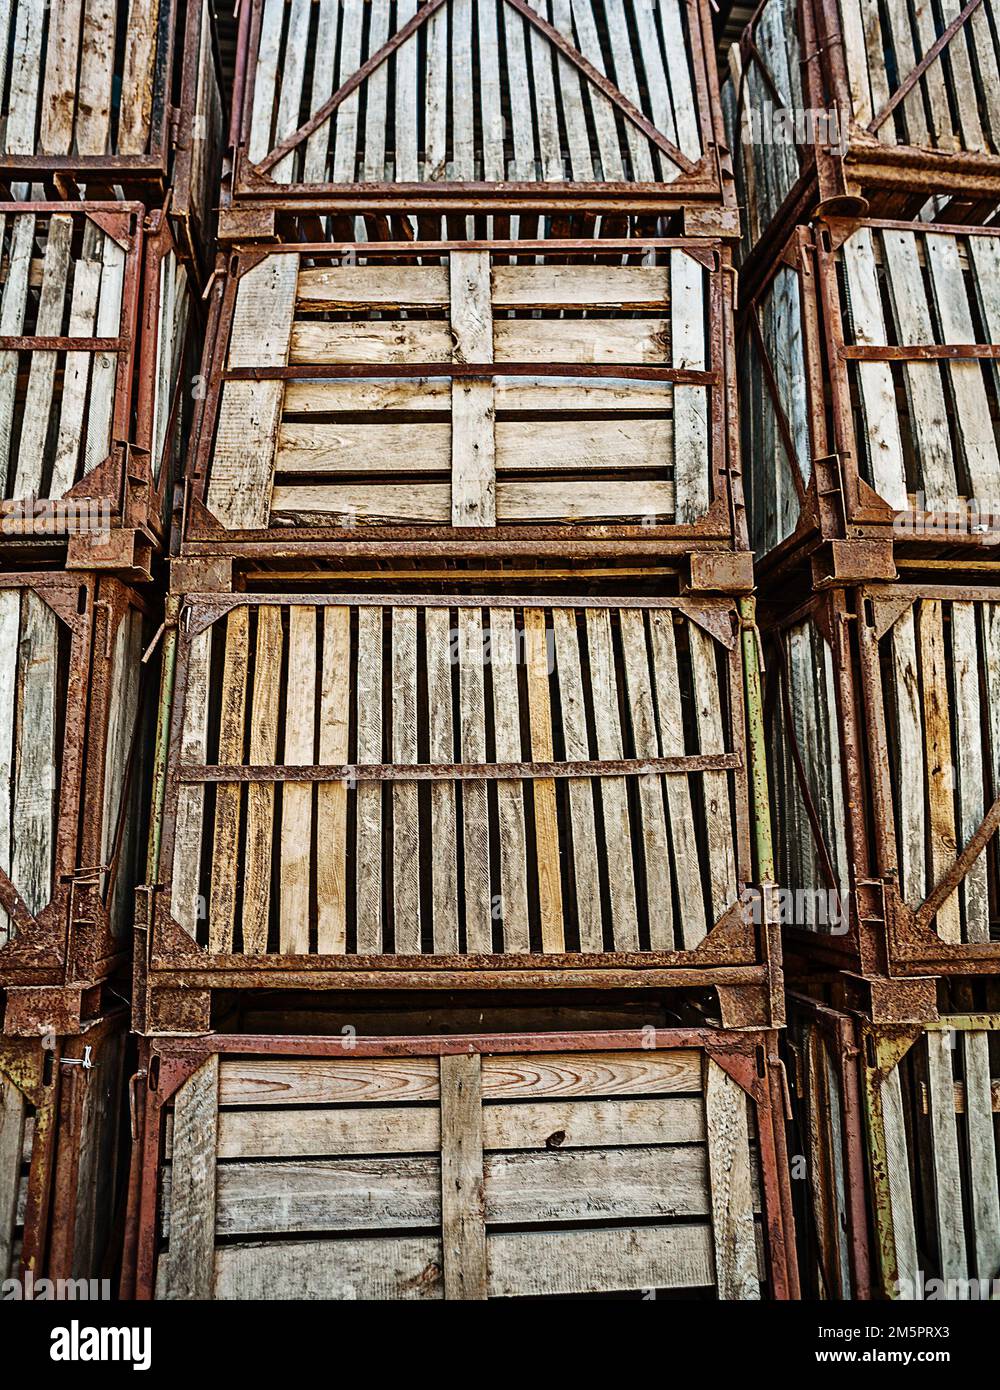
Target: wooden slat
591, 1074
11, 1139
265, 77
569, 394
572, 101
444, 841
627, 82
317, 156
96, 80
538, 662
296, 49
239, 488
682, 90
399, 1267
581, 286
579, 790
491, 113
186, 885
656, 857
463, 1228
385, 449
731, 1186
475, 810
938, 762
601, 110
898, 1177
525, 501
473, 463
136, 108
260, 795
12, 316
193, 1194
36, 785
406, 857
947, 1170
683, 839
331, 797
376, 95
571, 446
104, 372
605, 1260
355, 503
345, 155
968, 731
979, 1125
338, 287
909, 760
512, 845
711, 738
10, 621
934, 83
225, 844
59, 91
25, 76
297, 797
328, 1081
435, 97
518, 88
76, 377
546, 103
368, 890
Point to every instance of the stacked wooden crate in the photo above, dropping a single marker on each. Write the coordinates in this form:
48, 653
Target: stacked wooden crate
870, 337
110, 123
460, 718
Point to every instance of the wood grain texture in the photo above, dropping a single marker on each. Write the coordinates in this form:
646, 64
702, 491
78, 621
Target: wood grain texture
193, 1191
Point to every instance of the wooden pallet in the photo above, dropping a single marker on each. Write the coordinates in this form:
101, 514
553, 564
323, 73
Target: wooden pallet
71, 704
59, 1151
930, 1167
122, 94
468, 95
75, 428
547, 775
472, 390
487, 1174
914, 98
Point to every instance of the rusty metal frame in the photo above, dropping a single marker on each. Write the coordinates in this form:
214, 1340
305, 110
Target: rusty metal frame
749, 1058
69, 942
35, 1071
839, 1031
738, 954
723, 524
142, 176
708, 179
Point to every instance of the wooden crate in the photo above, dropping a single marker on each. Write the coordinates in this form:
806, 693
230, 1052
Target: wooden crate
97, 323
463, 1168
448, 105
900, 325
356, 393
930, 1097
123, 96
915, 102
60, 1112
74, 710
395, 791
883, 755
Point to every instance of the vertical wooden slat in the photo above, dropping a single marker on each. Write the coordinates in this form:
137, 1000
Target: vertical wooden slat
628, 85
128, 647
12, 313
317, 157
136, 108
538, 660
36, 784
444, 841
510, 794
232, 719
239, 488
682, 91
268, 60
297, 797
654, 829
369, 794
493, 170
463, 1203
406, 170
331, 797
76, 377
572, 101
581, 796
687, 338
718, 812
983, 1182
475, 813
11, 1144
296, 49
617, 828
345, 124
10, 620
376, 95
940, 767
910, 776
436, 97
731, 1186
947, 1172
97, 56
59, 92
186, 883
543, 58
473, 443
518, 87
191, 1252
463, 168
104, 371
898, 1176
405, 805
602, 112
968, 722
260, 795
25, 77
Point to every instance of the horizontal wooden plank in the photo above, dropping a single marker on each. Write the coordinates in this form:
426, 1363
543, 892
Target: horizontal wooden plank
384, 341
360, 502
580, 286
425, 394
555, 446
404, 1267
378, 1193
592, 1074
372, 287
582, 500
328, 1080
616, 1260
527, 1125
625, 341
